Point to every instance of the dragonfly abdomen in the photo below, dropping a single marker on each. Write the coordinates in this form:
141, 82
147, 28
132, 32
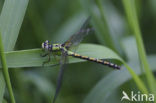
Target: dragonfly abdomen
104, 62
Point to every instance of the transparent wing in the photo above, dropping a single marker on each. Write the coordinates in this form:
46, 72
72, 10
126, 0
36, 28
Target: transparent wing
60, 75
76, 38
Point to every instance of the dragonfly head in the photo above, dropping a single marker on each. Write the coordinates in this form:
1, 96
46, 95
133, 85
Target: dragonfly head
46, 45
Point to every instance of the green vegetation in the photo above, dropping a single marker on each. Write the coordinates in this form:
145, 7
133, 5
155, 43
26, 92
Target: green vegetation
124, 34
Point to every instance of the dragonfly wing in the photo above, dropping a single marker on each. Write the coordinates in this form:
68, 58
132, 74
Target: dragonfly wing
61, 72
76, 38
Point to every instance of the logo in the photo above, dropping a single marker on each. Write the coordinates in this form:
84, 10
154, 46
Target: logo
125, 96
137, 96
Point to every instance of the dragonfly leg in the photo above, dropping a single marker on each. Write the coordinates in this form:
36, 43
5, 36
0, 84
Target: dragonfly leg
55, 57
44, 55
47, 60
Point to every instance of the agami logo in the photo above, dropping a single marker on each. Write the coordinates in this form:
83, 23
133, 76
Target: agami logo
137, 96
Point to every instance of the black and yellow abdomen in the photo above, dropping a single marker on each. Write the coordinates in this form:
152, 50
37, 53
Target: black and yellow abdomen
104, 62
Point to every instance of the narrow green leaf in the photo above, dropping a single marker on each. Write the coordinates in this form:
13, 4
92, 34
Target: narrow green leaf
5, 71
10, 22
32, 58
130, 10
105, 32
137, 80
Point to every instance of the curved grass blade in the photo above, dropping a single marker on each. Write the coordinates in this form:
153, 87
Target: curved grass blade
32, 57
130, 9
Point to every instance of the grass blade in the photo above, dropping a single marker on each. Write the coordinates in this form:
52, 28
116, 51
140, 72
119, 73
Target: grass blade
10, 22
5, 71
107, 36
32, 57
130, 10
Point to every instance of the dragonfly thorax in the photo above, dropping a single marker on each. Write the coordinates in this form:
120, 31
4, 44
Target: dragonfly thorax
56, 47
51, 47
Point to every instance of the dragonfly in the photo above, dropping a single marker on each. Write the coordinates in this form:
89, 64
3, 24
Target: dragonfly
74, 40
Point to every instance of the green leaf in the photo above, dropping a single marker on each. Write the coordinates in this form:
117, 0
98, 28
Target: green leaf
128, 45
5, 71
32, 58
10, 22
130, 9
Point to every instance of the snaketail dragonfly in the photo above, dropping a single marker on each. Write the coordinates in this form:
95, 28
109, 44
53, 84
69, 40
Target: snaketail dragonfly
75, 39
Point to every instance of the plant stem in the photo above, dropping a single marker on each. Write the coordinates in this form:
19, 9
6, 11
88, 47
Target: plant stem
132, 18
137, 80
5, 71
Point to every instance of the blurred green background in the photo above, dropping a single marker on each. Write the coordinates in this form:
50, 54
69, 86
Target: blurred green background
57, 20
